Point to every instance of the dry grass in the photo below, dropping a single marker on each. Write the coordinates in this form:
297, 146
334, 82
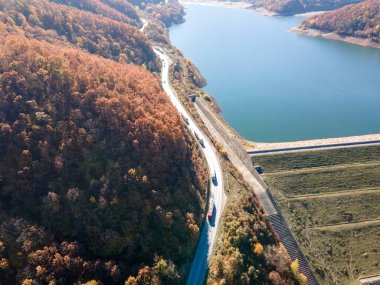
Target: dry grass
331, 199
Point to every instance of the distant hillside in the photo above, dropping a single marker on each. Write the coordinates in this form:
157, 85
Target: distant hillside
291, 7
360, 20
60, 24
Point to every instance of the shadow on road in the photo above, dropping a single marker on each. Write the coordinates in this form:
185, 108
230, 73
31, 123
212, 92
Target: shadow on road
199, 265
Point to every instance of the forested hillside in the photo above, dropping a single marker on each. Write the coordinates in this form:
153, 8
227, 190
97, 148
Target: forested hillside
361, 20
94, 165
99, 179
118, 10
63, 25
169, 13
291, 7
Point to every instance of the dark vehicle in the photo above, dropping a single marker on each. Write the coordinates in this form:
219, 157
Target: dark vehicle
185, 119
201, 141
259, 169
214, 180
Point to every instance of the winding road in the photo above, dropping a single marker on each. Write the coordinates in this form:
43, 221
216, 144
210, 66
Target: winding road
209, 230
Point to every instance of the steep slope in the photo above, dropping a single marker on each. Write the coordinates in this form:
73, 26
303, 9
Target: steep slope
123, 6
360, 20
60, 24
95, 168
117, 10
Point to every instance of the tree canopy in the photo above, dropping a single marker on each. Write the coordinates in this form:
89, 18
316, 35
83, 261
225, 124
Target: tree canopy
95, 168
360, 20
64, 25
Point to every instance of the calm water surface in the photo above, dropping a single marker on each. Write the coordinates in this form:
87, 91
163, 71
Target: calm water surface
274, 85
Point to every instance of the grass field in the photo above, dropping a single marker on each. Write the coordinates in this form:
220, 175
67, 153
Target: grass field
342, 255
331, 200
318, 158
346, 208
326, 180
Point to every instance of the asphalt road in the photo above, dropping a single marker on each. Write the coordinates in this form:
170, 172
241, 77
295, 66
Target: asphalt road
208, 232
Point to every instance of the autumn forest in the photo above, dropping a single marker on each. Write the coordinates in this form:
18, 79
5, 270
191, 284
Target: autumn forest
95, 165
100, 180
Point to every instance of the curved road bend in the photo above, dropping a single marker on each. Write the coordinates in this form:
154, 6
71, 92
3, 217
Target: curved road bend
208, 232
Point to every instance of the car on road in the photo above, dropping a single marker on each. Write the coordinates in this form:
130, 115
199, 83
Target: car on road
185, 119
200, 140
211, 211
214, 179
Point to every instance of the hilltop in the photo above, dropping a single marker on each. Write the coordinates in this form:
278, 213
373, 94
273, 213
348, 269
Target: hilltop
361, 21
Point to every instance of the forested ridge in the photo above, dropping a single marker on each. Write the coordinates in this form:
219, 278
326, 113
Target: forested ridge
168, 13
360, 20
291, 7
99, 179
62, 25
118, 10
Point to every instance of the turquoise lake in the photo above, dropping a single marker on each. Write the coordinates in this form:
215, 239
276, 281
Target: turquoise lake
274, 85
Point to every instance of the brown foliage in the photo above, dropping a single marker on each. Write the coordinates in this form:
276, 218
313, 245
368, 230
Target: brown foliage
118, 10
248, 252
169, 13
93, 151
43, 20
359, 20
291, 7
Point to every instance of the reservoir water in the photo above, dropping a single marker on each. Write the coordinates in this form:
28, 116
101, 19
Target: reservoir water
274, 85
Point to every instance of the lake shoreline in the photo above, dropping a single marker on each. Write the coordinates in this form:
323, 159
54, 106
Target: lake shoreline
336, 37
251, 143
